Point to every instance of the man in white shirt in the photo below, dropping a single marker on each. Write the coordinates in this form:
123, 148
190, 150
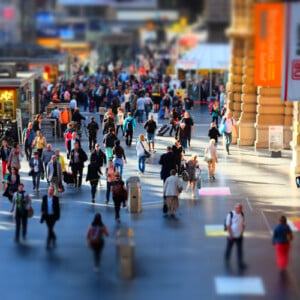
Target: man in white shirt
73, 105
235, 223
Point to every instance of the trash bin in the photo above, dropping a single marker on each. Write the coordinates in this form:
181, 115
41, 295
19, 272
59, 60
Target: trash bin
133, 186
125, 252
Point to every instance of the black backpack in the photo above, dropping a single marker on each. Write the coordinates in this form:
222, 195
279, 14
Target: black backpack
231, 216
129, 126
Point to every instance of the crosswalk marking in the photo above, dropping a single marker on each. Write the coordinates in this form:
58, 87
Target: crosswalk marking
214, 191
239, 286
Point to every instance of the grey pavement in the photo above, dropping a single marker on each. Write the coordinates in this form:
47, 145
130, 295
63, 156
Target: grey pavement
174, 258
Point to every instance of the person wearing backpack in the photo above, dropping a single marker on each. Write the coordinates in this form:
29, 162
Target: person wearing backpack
119, 194
128, 127
235, 226
95, 239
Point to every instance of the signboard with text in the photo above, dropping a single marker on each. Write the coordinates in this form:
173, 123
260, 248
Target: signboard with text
291, 58
268, 43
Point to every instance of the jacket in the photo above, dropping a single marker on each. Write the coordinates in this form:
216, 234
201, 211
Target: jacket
31, 136
69, 145
93, 173
109, 140
50, 171
44, 208
82, 157
100, 157
2, 154
40, 163
172, 186
167, 162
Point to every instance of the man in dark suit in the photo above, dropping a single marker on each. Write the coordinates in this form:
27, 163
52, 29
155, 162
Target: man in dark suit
50, 212
77, 159
71, 143
99, 157
167, 162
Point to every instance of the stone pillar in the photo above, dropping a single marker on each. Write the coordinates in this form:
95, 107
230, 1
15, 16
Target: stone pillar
236, 34
270, 111
247, 131
295, 143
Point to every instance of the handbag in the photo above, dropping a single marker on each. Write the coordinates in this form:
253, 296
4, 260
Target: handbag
30, 173
147, 153
30, 212
185, 175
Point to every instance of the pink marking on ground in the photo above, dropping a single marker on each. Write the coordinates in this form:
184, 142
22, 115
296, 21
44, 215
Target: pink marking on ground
214, 191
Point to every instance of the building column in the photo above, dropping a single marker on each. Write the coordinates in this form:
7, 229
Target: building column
295, 143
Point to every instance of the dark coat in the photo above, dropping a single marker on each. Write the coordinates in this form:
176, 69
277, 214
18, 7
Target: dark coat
69, 145
99, 158
93, 173
167, 162
44, 208
41, 166
214, 133
82, 157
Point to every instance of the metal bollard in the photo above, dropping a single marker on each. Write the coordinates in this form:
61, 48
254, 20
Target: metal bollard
125, 252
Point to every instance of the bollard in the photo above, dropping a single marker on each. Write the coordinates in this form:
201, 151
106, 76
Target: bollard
134, 194
125, 252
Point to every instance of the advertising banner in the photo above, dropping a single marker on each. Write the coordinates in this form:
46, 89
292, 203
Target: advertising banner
291, 59
268, 43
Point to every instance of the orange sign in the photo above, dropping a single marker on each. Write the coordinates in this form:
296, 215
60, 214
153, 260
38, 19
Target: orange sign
269, 26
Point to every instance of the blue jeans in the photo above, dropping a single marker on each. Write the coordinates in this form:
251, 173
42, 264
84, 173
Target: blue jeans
36, 180
140, 116
118, 164
228, 138
142, 163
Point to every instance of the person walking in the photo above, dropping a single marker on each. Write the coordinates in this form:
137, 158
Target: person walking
141, 147
119, 157
168, 163
215, 112
39, 142
64, 118
128, 127
150, 127
93, 130
191, 166
120, 121
148, 105
110, 177
55, 174
36, 170
50, 213
4, 154
109, 142
93, 177
71, 143
178, 152
189, 126
119, 194
68, 135
235, 225
95, 240
182, 136
21, 203
46, 158
99, 157
174, 118
211, 158
140, 108
11, 184
214, 133
77, 159
229, 123
172, 188
14, 157
282, 237
28, 137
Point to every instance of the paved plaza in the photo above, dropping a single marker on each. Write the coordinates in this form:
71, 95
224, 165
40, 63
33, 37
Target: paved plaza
179, 258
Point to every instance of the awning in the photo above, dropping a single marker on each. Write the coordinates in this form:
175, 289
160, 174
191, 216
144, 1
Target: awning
206, 56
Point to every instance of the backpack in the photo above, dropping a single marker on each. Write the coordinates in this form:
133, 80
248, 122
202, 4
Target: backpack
117, 189
129, 126
231, 216
95, 235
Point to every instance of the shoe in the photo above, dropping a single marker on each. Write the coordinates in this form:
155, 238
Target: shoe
193, 195
153, 151
16, 240
242, 267
106, 202
118, 220
37, 190
124, 205
93, 200
213, 177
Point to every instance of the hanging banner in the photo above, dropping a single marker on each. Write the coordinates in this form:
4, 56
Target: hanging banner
269, 25
291, 59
